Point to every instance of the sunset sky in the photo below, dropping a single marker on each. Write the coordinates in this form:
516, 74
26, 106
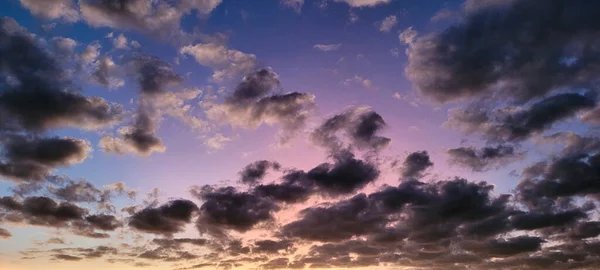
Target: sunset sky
297, 134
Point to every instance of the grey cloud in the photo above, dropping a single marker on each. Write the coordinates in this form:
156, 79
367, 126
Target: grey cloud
517, 124
471, 58
415, 165
226, 208
484, 158
166, 219
361, 125
256, 171
43, 96
33, 159
252, 104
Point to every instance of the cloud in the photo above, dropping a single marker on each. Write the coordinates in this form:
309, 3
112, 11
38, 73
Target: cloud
159, 18
139, 139
479, 63
65, 10
226, 208
366, 83
415, 165
166, 219
408, 36
518, 123
105, 73
361, 125
328, 47
4, 234
364, 3
226, 63
485, 158
217, 142
388, 23
34, 158
45, 98
255, 172
252, 104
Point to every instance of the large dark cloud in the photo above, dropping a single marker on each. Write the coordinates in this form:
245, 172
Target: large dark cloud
33, 158
345, 176
512, 124
43, 211
252, 103
560, 179
166, 219
361, 125
484, 158
511, 49
227, 208
39, 95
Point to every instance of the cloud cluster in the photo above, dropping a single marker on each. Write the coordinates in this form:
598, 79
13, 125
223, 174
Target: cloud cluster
485, 158
252, 103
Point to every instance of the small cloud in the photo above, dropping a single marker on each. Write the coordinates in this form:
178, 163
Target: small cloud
408, 36
388, 23
217, 142
395, 52
328, 47
397, 95
296, 5
414, 128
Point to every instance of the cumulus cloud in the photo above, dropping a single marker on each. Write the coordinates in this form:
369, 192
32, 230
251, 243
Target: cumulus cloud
520, 123
226, 63
361, 125
415, 165
166, 219
45, 98
485, 158
252, 104
159, 18
53, 9
479, 63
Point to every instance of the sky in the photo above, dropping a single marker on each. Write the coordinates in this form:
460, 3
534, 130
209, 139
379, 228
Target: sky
297, 134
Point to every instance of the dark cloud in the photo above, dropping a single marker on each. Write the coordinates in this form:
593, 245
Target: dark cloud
415, 165
271, 246
506, 247
226, 208
361, 125
39, 95
471, 58
65, 257
34, 158
4, 234
345, 176
256, 171
532, 221
103, 222
152, 74
484, 158
252, 104
287, 192
561, 178
81, 191
517, 124
166, 219
343, 220
42, 211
